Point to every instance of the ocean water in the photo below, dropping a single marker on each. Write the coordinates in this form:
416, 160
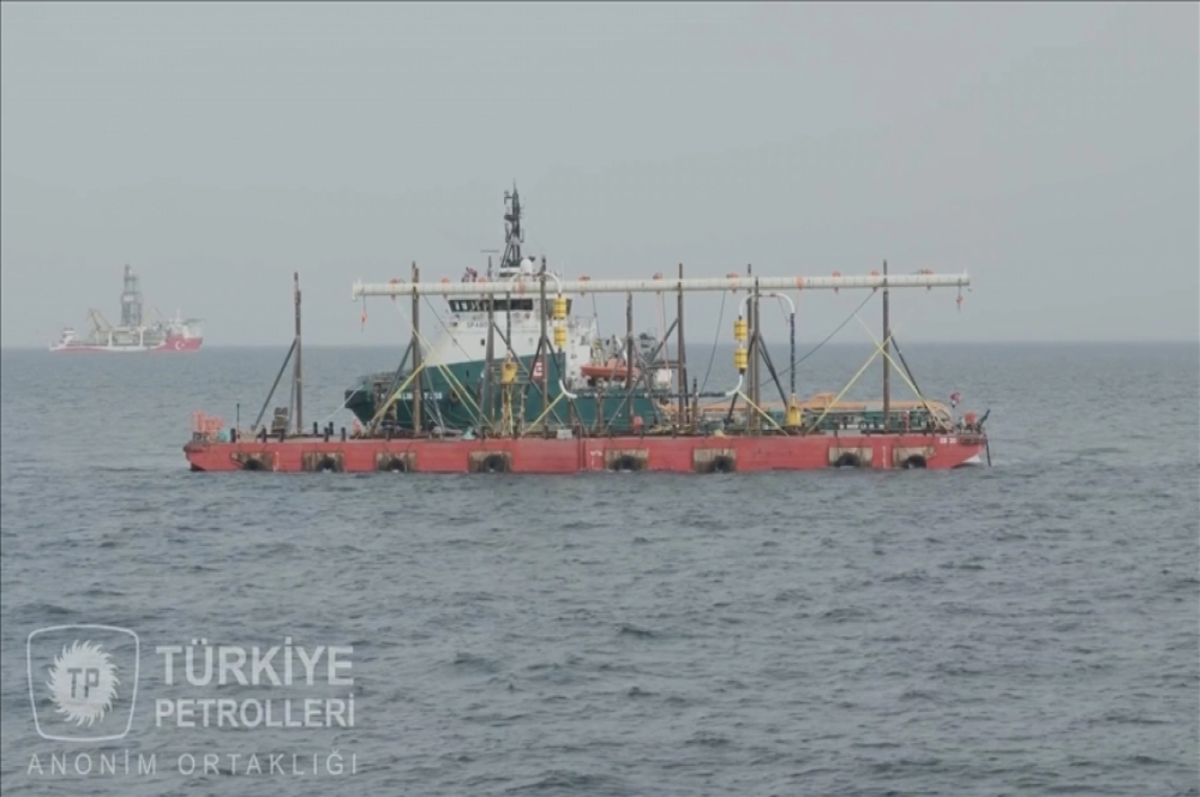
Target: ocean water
1029, 628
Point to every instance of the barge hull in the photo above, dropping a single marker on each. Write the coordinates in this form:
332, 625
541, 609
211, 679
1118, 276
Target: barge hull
940, 451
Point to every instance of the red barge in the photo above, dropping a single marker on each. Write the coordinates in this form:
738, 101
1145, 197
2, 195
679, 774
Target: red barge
761, 444
571, 404
681, 454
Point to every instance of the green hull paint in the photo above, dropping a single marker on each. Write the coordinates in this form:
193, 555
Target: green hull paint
596, 410
443, 405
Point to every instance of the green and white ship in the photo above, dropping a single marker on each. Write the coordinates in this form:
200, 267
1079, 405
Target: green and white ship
462, 374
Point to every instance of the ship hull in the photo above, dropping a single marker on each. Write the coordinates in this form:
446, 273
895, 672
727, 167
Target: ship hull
445, 406
168, 345
597, 410
713, 454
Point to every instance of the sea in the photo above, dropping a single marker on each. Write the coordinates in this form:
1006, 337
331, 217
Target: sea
1028, 628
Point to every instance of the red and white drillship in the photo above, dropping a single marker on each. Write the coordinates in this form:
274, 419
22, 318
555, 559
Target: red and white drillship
136, 333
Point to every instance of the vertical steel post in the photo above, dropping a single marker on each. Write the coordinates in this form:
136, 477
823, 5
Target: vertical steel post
545, 345
887, 344
792, 324
299, 372
628, 340
418, 382
755, 354
683, 402
486, 399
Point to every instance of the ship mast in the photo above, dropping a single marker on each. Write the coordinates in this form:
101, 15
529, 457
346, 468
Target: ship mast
510, 263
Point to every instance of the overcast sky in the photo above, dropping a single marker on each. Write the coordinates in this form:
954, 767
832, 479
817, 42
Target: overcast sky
1049, 149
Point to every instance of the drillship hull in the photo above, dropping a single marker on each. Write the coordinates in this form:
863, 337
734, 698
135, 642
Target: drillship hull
171, 344
713, 454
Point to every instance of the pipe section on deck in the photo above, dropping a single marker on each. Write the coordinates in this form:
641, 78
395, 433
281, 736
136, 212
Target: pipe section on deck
530, 286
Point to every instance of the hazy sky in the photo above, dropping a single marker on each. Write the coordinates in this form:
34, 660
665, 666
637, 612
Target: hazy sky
1050, 150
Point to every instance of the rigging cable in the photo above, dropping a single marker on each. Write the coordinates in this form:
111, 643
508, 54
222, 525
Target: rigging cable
911, 378
446, 329
828, 337
713, 353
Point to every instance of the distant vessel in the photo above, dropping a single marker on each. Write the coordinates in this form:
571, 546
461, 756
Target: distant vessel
136, 333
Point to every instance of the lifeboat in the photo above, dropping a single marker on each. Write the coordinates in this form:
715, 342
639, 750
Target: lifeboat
613, 370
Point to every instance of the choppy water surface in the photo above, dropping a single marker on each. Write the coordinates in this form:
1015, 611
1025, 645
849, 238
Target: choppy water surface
1026, 629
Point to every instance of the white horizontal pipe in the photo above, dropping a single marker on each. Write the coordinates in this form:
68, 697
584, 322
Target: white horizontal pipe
530, 287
